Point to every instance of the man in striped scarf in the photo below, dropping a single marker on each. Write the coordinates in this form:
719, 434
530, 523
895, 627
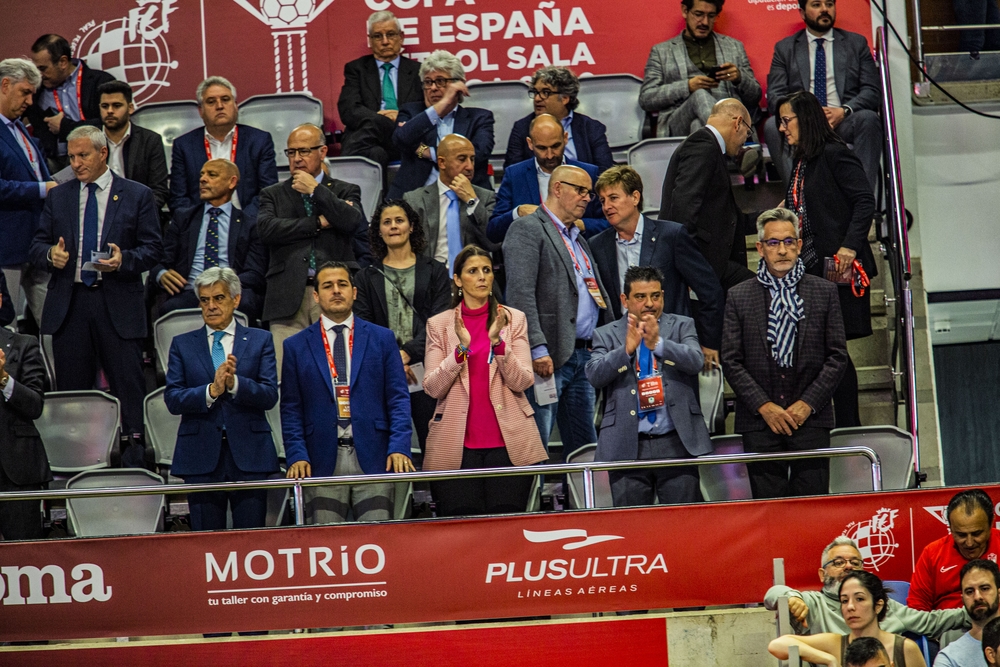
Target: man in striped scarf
783, 352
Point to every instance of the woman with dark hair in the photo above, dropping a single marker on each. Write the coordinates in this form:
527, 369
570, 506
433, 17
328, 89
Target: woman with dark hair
401, 291
832, 197
863, 603
478, 366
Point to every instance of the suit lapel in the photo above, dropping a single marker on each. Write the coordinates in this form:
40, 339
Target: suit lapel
380, 290
194, 229
358, 351
432, 211
839, 63
373, 79
318, 350
204, 353
762, 299
679, 54
235, 227
648, 242
556, 238
804, 322
127, 152
802, 58
11, 142
421, 286
111, 212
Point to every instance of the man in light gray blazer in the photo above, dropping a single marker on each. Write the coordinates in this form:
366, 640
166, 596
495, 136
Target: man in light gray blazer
456, 164
685, 76
675, 429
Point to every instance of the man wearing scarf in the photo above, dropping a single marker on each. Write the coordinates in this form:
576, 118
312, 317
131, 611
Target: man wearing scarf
783, 352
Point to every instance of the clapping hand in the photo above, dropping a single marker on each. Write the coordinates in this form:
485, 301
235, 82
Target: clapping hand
499, 323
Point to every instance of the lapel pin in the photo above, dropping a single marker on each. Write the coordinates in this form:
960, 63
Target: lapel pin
115, 197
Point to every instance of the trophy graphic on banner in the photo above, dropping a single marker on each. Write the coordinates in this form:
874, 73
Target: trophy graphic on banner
288, 20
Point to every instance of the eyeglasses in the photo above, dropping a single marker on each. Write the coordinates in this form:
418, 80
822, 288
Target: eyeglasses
840, 562
785, 120
774, 243
544, 93
301, 152
740, 123
580, 190
384, 36
437, 83
711, 16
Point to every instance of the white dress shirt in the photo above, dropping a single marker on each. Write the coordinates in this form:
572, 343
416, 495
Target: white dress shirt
31, 154
628, 252
227, 346
569, 153
103, 193
223, 150
441, 249
832, 97
445, 125
718, 137
116, 152
342, 373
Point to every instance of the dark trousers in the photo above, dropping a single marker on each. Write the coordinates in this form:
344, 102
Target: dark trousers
490, 495
781, 479
422, 408
21, 519
734, 272
371, 139
669, 485
88, 337
845, 398
973, 12
251, 304
208, 509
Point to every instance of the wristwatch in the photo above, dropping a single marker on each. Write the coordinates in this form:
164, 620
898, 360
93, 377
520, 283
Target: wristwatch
420, 150
3, 382
471, 203
848, 111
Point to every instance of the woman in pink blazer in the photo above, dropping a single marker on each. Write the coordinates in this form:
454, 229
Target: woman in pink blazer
478, 365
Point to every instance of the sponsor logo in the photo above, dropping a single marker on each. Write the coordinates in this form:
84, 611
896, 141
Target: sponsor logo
568, 534
874, 537
16, 581
945, 569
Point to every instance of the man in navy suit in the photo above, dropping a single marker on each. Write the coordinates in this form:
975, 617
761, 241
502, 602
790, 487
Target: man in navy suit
94, 310
422, 126
222, 379
24, 183
251, 149
338, 367
212, 233
522, 185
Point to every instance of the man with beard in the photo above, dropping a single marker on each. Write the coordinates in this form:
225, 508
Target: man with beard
980, 579
813, 612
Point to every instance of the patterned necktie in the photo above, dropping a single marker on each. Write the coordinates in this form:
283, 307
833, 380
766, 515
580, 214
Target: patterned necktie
819, 73
340, 361
388, 92
212, 238
454, 231
308, 203
218, 354
89, 278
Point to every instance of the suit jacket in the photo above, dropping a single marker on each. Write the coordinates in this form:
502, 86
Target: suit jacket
291, 236
669, 248
131, 222
7, 313
20, 203
431, 295
146, 162
697, 194
610, 368
590, 138
665, 82
541, 282
254, 157
89, 100
199, 438
379, 400
361, 97
474, 124
854, 71
520, 186
426, 202
448, 381
22, 454
820, 352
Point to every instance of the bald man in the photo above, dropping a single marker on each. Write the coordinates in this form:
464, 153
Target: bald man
523, 183
214, 232
553, 279
697, 192
454, 212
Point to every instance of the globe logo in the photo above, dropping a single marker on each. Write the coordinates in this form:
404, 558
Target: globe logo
874, 537
141, 61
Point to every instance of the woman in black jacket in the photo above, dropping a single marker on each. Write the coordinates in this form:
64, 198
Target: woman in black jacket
832, 197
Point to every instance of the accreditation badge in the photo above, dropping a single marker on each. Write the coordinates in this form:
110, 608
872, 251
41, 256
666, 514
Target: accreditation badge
651, 393
595, 292
343, 392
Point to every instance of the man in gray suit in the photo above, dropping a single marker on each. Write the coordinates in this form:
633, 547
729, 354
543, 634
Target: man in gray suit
685, 76
454, 212
647, 363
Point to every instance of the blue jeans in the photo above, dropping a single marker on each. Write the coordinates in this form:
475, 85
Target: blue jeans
575, 408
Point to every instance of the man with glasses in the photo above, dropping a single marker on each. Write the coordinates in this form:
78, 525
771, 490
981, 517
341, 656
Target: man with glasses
306, 221
375, 87
782, 365
813, 612
422, 126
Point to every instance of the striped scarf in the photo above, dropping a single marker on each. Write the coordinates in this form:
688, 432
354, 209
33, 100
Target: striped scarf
785, 312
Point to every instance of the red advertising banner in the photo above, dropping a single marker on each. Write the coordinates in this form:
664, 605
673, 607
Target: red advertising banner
163, 48
504, 567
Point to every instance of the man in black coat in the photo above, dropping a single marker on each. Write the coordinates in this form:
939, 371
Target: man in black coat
697, 192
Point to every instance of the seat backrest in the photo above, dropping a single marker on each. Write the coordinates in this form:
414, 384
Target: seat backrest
274, 421
509, 102
894, 447
602, 485
170, 120
178, 322
79, 429
115, 515
710, 392
365, 173
897, 590
725, 481
280, 113
161, 426
613, 99
650, 158
48, 358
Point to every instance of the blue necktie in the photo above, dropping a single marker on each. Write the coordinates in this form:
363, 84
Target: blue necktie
388, 92
340, 360
218, 354
645, 370
212, 238
89, 278
454, 229
819, 73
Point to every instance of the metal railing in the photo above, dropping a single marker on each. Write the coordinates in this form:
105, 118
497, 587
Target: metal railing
918, 37
904, 366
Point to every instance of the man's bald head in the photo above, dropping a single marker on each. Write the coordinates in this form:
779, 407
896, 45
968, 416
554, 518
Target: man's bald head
308, 131
218, 181
547, 140
456, 156
452, 143
227, 167
570, 191
310, 138
570, 174
732, 120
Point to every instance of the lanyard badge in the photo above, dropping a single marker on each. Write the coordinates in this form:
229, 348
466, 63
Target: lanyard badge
650, 383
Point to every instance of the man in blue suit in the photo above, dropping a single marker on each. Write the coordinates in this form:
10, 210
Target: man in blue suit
338, 367
522, 185
94, 309
222, 379
222, 138
24, 182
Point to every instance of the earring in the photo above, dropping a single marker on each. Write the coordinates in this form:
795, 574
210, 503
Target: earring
460, 291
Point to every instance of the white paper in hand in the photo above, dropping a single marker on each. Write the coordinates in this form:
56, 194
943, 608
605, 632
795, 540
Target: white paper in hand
95, 257
418, 370
545, 390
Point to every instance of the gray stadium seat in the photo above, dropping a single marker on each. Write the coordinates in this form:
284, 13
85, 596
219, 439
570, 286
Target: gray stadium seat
161, 426
280, 113
274, 421
509, 102
170, 120
178, 322
894, 447
79, 429
726, 481
710, 390
650, 158
114, 515
365, 173
48, 358
613, 99
602, 485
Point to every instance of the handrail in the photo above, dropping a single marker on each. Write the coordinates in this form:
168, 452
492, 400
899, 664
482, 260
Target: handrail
899, 255
971, 26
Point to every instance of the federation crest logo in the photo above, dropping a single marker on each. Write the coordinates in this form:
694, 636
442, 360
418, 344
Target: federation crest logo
874, 537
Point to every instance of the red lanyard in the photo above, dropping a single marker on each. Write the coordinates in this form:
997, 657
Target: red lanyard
569, 248
232, 153
27, 144
79, 105
329, 353
796, 185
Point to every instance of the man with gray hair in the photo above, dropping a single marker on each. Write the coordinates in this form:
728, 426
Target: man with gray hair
222, 138
422, 126
375, 87
222, 380
24, 183
784, 380
813, 612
